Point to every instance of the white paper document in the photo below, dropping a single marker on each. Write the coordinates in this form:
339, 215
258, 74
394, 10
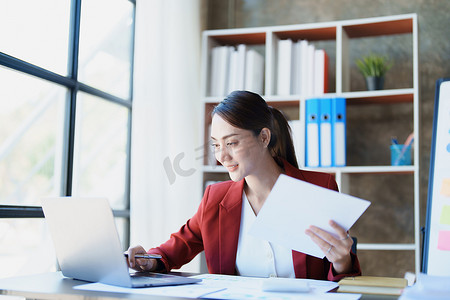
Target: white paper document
242, 287
216, 286
293, 205
258, 283
428, 287
187, 290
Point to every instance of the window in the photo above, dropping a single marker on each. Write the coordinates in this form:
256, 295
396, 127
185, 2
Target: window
65, 112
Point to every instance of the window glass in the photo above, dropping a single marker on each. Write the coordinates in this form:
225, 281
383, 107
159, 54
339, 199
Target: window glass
36, 31
106, 45
122, 230
26, 249
31, 138
100, 152
34, 118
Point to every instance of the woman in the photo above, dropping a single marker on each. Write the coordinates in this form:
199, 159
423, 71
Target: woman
253, 142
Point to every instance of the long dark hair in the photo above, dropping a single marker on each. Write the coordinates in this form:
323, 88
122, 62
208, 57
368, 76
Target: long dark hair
247, 110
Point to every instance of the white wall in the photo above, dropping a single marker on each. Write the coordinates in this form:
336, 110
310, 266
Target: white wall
166, 120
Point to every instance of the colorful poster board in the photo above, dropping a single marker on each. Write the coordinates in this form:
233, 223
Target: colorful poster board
436, 256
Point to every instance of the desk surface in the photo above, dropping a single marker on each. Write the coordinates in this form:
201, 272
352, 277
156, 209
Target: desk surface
55, 286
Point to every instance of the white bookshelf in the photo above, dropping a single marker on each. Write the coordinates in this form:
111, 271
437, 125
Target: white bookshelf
341, 34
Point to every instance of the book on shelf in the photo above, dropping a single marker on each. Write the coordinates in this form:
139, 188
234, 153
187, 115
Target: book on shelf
301, 69
312, 126
302, 80
235, 68
232, 72
372, 285
309, 78
240, 76
236, 73
254, 72
338, 126
284, 67
320, 72
220, 61
325, 132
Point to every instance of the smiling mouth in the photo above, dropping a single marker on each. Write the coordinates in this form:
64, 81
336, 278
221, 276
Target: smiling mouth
232, 167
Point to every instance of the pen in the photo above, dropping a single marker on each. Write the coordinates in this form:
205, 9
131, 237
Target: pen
406, 145
145, 256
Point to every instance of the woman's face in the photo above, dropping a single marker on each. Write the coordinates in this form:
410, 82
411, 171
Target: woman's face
238, 150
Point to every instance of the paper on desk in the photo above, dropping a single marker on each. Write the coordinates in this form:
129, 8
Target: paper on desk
242, 287
255, 283
241, 293
293, 205
187, 290
430, 287
215, 286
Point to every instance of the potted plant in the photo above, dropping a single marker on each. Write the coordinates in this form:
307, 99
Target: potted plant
374, 67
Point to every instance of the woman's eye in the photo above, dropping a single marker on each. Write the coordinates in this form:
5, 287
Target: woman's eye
231, 143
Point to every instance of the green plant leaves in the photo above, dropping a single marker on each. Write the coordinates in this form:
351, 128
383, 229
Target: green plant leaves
373, 65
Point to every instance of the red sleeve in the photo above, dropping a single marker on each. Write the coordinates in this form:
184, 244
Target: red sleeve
185, 244
356, 270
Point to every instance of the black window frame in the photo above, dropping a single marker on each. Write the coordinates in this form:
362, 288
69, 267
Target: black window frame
74, 86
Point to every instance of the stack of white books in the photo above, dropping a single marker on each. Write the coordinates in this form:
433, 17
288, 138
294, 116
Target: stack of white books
301, 69
236, 68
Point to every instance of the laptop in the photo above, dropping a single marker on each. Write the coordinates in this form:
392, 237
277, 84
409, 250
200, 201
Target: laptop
88, 247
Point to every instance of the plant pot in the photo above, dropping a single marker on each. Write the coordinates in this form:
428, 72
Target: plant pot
374, 83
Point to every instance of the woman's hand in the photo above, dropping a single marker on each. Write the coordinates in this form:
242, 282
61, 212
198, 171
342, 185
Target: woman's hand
337, 250
140, 264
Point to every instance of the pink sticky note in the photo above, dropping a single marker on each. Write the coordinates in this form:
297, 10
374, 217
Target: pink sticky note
444, 240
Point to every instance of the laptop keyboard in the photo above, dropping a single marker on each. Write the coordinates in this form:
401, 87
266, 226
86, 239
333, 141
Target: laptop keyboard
153, 278
146, 280
158, 279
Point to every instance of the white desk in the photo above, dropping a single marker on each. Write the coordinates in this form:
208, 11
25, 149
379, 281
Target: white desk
55, 286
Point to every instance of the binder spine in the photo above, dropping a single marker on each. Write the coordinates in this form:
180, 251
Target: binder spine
339, 120
312, 133
326, 149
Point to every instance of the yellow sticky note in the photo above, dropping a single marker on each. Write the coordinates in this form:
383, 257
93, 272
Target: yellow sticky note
445, 215
445, 188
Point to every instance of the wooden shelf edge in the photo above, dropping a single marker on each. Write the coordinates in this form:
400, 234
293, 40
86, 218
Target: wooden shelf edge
356, 28
380, 27
342, 170
381, 96
367, 169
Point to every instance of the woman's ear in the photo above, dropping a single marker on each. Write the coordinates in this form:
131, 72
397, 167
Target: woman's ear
264, 136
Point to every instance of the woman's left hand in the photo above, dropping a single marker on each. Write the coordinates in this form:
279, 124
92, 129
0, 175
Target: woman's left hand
337, 250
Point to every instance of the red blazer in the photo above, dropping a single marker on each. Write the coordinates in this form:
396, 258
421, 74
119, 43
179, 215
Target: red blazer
214, 228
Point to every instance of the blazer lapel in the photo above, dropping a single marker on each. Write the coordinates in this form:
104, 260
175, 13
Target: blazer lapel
229, 225
299, 259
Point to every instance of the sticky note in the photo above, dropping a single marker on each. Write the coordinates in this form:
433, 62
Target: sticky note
445, 188
445, 215
444, 240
